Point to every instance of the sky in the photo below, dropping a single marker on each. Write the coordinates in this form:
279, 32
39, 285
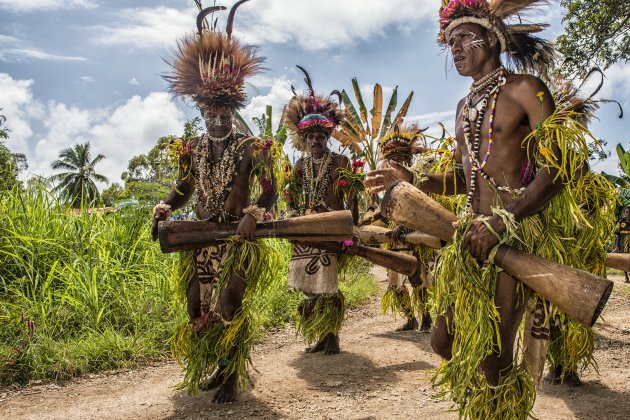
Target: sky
73, 71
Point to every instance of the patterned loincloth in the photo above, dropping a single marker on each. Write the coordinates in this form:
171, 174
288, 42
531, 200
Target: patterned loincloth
208, 265
313, 271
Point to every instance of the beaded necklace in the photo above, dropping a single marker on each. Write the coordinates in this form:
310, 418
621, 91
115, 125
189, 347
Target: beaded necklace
493, 86
217, 175
315, 187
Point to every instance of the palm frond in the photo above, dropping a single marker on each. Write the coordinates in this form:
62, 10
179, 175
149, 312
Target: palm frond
393, 101
377, 110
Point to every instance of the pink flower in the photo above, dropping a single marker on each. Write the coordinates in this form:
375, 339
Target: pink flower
349, 242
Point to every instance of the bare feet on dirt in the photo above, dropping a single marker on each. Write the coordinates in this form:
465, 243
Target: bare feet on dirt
410, 325
555, 377
427, 323
228, 390
329, 345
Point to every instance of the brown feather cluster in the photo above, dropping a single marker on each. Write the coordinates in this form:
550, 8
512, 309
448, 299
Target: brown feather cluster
302, 105
401, 141
211, 69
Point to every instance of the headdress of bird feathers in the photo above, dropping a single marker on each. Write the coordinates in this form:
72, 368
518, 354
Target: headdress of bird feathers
568, 97
527, 53
400, 141
307, 113
210, 67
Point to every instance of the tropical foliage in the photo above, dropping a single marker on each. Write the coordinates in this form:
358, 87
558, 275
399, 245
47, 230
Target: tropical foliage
78, 183
597, 33
622, 182
11, 164
361, 131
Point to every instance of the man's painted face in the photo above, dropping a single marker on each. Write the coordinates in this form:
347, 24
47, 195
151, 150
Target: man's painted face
626, 212
469, 47
218, 120
317, 142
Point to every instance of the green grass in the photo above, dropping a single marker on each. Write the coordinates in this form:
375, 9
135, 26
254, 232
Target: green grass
98, 294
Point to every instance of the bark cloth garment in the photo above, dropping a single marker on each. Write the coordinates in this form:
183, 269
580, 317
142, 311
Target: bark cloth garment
315, 273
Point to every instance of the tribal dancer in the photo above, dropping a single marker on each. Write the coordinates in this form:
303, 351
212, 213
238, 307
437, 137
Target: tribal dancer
399, 146
210, 68
310, 121
517, 154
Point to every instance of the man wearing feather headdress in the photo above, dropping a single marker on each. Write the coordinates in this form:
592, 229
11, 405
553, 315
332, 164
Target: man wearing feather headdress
210, 67
399, 146
516, 153
310, 120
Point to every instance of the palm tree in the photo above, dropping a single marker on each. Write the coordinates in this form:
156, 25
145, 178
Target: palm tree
79, 183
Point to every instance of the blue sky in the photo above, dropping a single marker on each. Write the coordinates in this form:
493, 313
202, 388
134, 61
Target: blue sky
77, 70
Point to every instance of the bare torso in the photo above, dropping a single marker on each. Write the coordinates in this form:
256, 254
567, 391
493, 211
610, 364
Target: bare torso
511, 126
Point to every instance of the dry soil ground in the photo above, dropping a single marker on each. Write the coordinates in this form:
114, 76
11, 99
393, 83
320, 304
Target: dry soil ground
380, 374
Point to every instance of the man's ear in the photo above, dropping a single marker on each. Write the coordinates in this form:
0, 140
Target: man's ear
492, 39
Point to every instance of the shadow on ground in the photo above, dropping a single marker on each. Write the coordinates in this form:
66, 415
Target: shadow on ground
200, 406
350, 372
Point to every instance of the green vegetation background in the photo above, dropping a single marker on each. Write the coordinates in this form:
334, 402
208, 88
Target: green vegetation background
82, 293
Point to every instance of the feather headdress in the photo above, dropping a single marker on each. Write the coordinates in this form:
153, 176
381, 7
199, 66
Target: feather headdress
400, 141
310, 112
527, 52
210, 67
569, 97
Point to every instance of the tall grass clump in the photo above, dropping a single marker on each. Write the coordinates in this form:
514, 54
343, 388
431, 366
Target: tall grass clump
82, 293
79, 292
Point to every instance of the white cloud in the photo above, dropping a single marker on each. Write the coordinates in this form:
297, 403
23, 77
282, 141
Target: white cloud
278, 97
15, 50
18, 106
84, 80
323, 26
617, 83
155, 27
134, 82
119, 132
39, 5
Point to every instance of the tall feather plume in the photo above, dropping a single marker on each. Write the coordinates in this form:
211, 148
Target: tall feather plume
506, 8
230, 21
308, 81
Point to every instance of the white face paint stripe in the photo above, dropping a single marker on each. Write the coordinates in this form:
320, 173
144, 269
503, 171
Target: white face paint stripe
477, 43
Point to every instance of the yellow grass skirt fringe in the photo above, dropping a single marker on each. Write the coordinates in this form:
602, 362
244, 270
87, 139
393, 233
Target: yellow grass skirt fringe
326, 316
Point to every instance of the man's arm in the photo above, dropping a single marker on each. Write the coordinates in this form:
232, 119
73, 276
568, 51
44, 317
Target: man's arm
178, 197
447, 183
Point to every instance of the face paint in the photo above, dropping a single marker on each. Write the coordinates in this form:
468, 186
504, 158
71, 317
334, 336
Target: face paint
474, 43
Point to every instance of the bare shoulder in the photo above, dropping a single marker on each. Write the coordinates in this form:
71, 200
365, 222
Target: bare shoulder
340, 160
525, 85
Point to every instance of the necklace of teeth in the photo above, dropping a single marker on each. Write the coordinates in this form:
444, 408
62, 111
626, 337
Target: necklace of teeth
216, 175
315, 187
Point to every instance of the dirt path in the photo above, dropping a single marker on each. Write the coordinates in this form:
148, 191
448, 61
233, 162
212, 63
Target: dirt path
379, 375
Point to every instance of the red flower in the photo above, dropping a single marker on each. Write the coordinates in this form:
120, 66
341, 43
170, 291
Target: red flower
358, 163
342, 183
